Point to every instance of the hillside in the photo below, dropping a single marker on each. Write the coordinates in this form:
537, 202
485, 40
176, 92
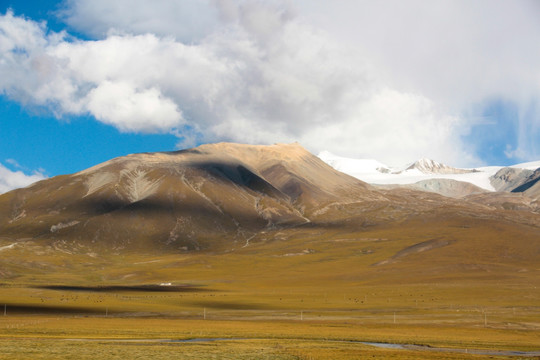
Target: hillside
193, 199
444, 187
223, 197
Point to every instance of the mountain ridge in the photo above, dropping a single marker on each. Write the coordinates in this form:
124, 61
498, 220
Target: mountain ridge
241, 218
428, 166
419, 173
188, 199
220, 197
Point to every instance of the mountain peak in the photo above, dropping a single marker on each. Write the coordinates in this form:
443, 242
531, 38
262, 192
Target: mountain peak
211, 195
429, 166
285, 149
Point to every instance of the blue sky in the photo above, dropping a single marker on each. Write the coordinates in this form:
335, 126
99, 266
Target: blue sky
83, 81
39, 141
67, 145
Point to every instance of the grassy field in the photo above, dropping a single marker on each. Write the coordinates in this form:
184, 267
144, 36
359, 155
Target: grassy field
297, 294
86, 337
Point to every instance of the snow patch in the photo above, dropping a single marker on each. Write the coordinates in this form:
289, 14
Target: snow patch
376, 173
533, 165
348, 165
61, 226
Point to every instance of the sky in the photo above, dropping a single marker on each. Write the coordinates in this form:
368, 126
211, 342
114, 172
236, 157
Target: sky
84, 81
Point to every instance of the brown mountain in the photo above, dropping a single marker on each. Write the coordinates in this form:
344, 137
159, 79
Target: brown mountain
242, 218
220, 195
191, 199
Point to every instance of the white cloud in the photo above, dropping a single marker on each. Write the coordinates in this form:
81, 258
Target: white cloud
379, 79
390, 125
115, 80
456, 52
186, 20
121, 105
10, 180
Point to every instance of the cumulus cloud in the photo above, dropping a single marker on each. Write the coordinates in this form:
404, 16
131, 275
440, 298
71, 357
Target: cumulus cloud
75, 77
121, 105
457, 53
274, 72
10, 180
393, 124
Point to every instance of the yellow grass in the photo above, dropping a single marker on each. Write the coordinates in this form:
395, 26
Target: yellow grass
67, 337
291, 294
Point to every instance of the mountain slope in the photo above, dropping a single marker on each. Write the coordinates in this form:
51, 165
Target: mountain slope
260, 222
530, 182
222, 196
510, 178
534, 191
444, 187
210, 196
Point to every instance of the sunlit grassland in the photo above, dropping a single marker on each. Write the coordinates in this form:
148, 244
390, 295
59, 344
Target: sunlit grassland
290, 294
100, 337
241, 349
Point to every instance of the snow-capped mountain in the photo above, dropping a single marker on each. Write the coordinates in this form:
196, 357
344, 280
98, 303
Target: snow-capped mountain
428, 166
348, 165
489, 178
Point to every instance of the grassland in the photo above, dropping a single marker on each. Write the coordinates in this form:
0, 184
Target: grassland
98, 337
313, 293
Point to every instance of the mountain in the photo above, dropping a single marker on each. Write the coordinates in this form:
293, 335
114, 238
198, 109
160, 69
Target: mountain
428, 166
268, 237
508, 178
241, 218
208, 197
429, 175
221, 196
218, 196
530, 182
